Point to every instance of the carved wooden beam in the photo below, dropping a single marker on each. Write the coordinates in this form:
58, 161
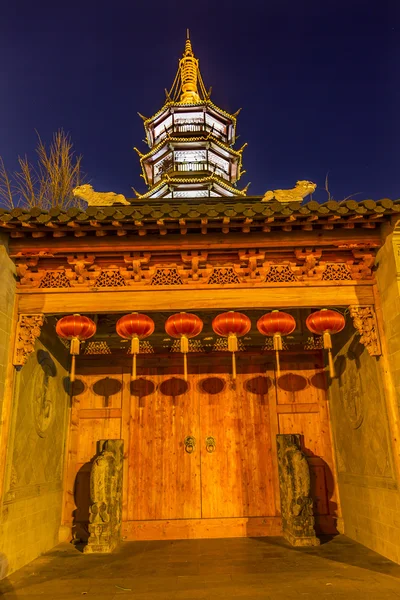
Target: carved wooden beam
28, 330
364, 320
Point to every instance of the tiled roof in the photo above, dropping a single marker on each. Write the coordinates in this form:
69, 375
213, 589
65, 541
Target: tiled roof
233, 208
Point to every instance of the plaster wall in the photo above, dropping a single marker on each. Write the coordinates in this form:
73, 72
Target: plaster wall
364, 414
31, 509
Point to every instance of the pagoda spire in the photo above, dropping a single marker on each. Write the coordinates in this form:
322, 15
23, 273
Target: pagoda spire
188, 86
188, 68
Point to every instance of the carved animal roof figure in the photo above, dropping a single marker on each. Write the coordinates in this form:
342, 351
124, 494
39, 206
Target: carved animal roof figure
86, 192
296, 194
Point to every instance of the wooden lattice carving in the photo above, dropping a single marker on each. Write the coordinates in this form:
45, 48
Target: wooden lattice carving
97, 347
110, 279
55, 279
279, 274
336, 272
194, 346
221, 345
145, 347
223, 275
166, 277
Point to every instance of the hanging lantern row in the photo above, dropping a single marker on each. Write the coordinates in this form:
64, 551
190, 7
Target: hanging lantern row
184, 326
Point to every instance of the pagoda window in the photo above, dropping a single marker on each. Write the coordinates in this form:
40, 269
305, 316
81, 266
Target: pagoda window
191, 194
188, 122
162, 166
190, 160
215, 125
160, 130
221, 164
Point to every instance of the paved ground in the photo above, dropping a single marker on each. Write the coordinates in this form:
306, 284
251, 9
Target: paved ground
258, 568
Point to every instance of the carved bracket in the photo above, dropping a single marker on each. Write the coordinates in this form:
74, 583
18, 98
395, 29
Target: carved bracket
364, 320
28, 330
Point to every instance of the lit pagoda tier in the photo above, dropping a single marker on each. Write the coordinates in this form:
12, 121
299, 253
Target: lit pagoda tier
191, 142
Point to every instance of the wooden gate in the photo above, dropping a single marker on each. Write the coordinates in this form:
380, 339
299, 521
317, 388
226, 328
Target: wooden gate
226, 483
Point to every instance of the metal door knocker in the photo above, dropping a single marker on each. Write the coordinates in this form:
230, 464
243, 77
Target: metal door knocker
189, 443
210, 444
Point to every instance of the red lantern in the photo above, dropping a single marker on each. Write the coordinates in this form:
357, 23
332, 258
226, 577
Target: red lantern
77, 329
276, 324
232, 325
134, 327
184, 326
326, 322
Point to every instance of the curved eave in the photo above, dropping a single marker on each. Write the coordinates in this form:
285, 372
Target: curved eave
200, 138
219, 110
206, 179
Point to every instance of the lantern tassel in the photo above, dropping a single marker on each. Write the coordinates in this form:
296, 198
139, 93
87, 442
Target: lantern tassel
72, 373
331, 365
327, 340
135, 348
184, 344
74, 347
232, 343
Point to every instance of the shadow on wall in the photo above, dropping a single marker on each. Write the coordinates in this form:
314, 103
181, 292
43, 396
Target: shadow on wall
80, 516
5, 586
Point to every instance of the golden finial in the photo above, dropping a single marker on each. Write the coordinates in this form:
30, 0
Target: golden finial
189, 67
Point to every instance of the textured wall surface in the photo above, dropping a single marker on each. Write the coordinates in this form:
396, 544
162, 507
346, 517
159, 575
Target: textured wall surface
363, 422
7, 291
31, 511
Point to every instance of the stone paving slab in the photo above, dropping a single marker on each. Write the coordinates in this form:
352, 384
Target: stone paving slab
238, 568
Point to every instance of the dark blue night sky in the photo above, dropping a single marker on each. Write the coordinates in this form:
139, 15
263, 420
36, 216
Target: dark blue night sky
319, 83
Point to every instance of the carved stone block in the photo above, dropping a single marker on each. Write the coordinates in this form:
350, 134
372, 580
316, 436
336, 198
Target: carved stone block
296, 502
105, 517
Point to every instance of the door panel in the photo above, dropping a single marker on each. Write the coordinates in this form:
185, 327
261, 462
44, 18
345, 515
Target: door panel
163, 479
237, 477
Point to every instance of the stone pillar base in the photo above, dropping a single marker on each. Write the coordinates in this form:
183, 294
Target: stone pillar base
300, 541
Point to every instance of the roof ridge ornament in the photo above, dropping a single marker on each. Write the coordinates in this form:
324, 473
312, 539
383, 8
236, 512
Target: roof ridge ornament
301, 190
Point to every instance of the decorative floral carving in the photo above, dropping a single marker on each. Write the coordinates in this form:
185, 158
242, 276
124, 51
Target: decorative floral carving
336, 272
221, 345
194, 346
166, 277
97, 347
110, 278
55, 279
314, 342
28, 330
279, 274
364, 320
223, 275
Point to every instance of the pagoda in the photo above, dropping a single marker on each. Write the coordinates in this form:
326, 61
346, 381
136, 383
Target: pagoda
191, 142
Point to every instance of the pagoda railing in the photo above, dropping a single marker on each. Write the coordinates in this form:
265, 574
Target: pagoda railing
194, 166
190, 128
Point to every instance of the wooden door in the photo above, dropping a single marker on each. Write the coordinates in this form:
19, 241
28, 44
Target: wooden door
237, 474
163, 478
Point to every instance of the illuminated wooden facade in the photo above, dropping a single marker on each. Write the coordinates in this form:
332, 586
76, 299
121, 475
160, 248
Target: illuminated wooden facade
195, 243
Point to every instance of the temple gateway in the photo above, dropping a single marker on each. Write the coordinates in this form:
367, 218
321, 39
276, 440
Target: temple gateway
196, 362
